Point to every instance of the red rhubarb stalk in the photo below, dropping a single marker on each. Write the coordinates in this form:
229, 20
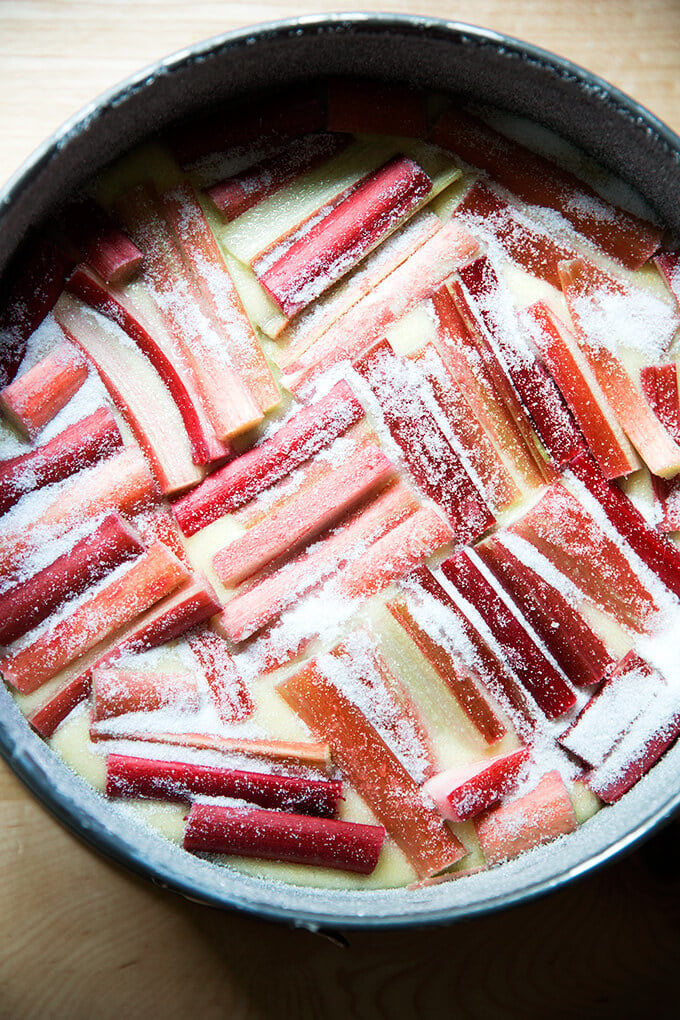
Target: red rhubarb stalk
228, 401
101, 244
120, 307
531, 247
547, 686
80, 445
539, 181
203, 256
659, 553
375, 208
563, 531
410, 283
29, 603
243, 190
305, 516
459, 680
229, 692
585, 287
660, 387
498, 486
49, 716
36, 396
366, 107
137, 391
158, 525
252, 609
292, 752
576, 648
461, 793
118, 691
179, 780
527, 822
151, 576
31, 290
668, 264
123, 483
580, 389
396, 554
276, 835
303, 435
431, 460
373, 770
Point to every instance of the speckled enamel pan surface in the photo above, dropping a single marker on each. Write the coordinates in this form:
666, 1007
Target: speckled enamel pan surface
436, 55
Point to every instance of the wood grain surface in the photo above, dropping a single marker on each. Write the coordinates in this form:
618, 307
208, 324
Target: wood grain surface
80, 938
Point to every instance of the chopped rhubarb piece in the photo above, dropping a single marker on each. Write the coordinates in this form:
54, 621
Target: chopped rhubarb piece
229, 692
496, 481
410, 283
151, 576
366, 107
547, 686
304, 516
430, 458
121, 309
374, 209
601, 308
100, 244
307, 327
531, 247
292, 752
395, 554
29, 603
460, 681
31, 290
668, 264
179, 780
243, 190
36, 396
294, 113
307, 432
252, 609
80, 445
458, 350
158, 525
613, 711
580, 389
564, 532
203, 256
228, 401
373, 770
137, 391
539, 181
275, 835
49, 716
660, 387
581, 654
461, 793
527, 822
123, 483
490, 304
118, 691
653, 733
660, 555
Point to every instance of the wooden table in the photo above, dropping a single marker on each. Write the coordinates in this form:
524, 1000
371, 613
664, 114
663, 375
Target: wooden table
80, 938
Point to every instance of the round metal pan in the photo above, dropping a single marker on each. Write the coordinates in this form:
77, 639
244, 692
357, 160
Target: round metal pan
432, 54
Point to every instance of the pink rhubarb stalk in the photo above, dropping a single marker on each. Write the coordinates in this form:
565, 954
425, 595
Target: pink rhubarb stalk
118, 691
668, 264
151, 576
100, 244
228, 689
80, 445
305, 516
36, 396
180, 780
461, 793
375, 208
373, 770
276, 835
310, 430
660, 387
